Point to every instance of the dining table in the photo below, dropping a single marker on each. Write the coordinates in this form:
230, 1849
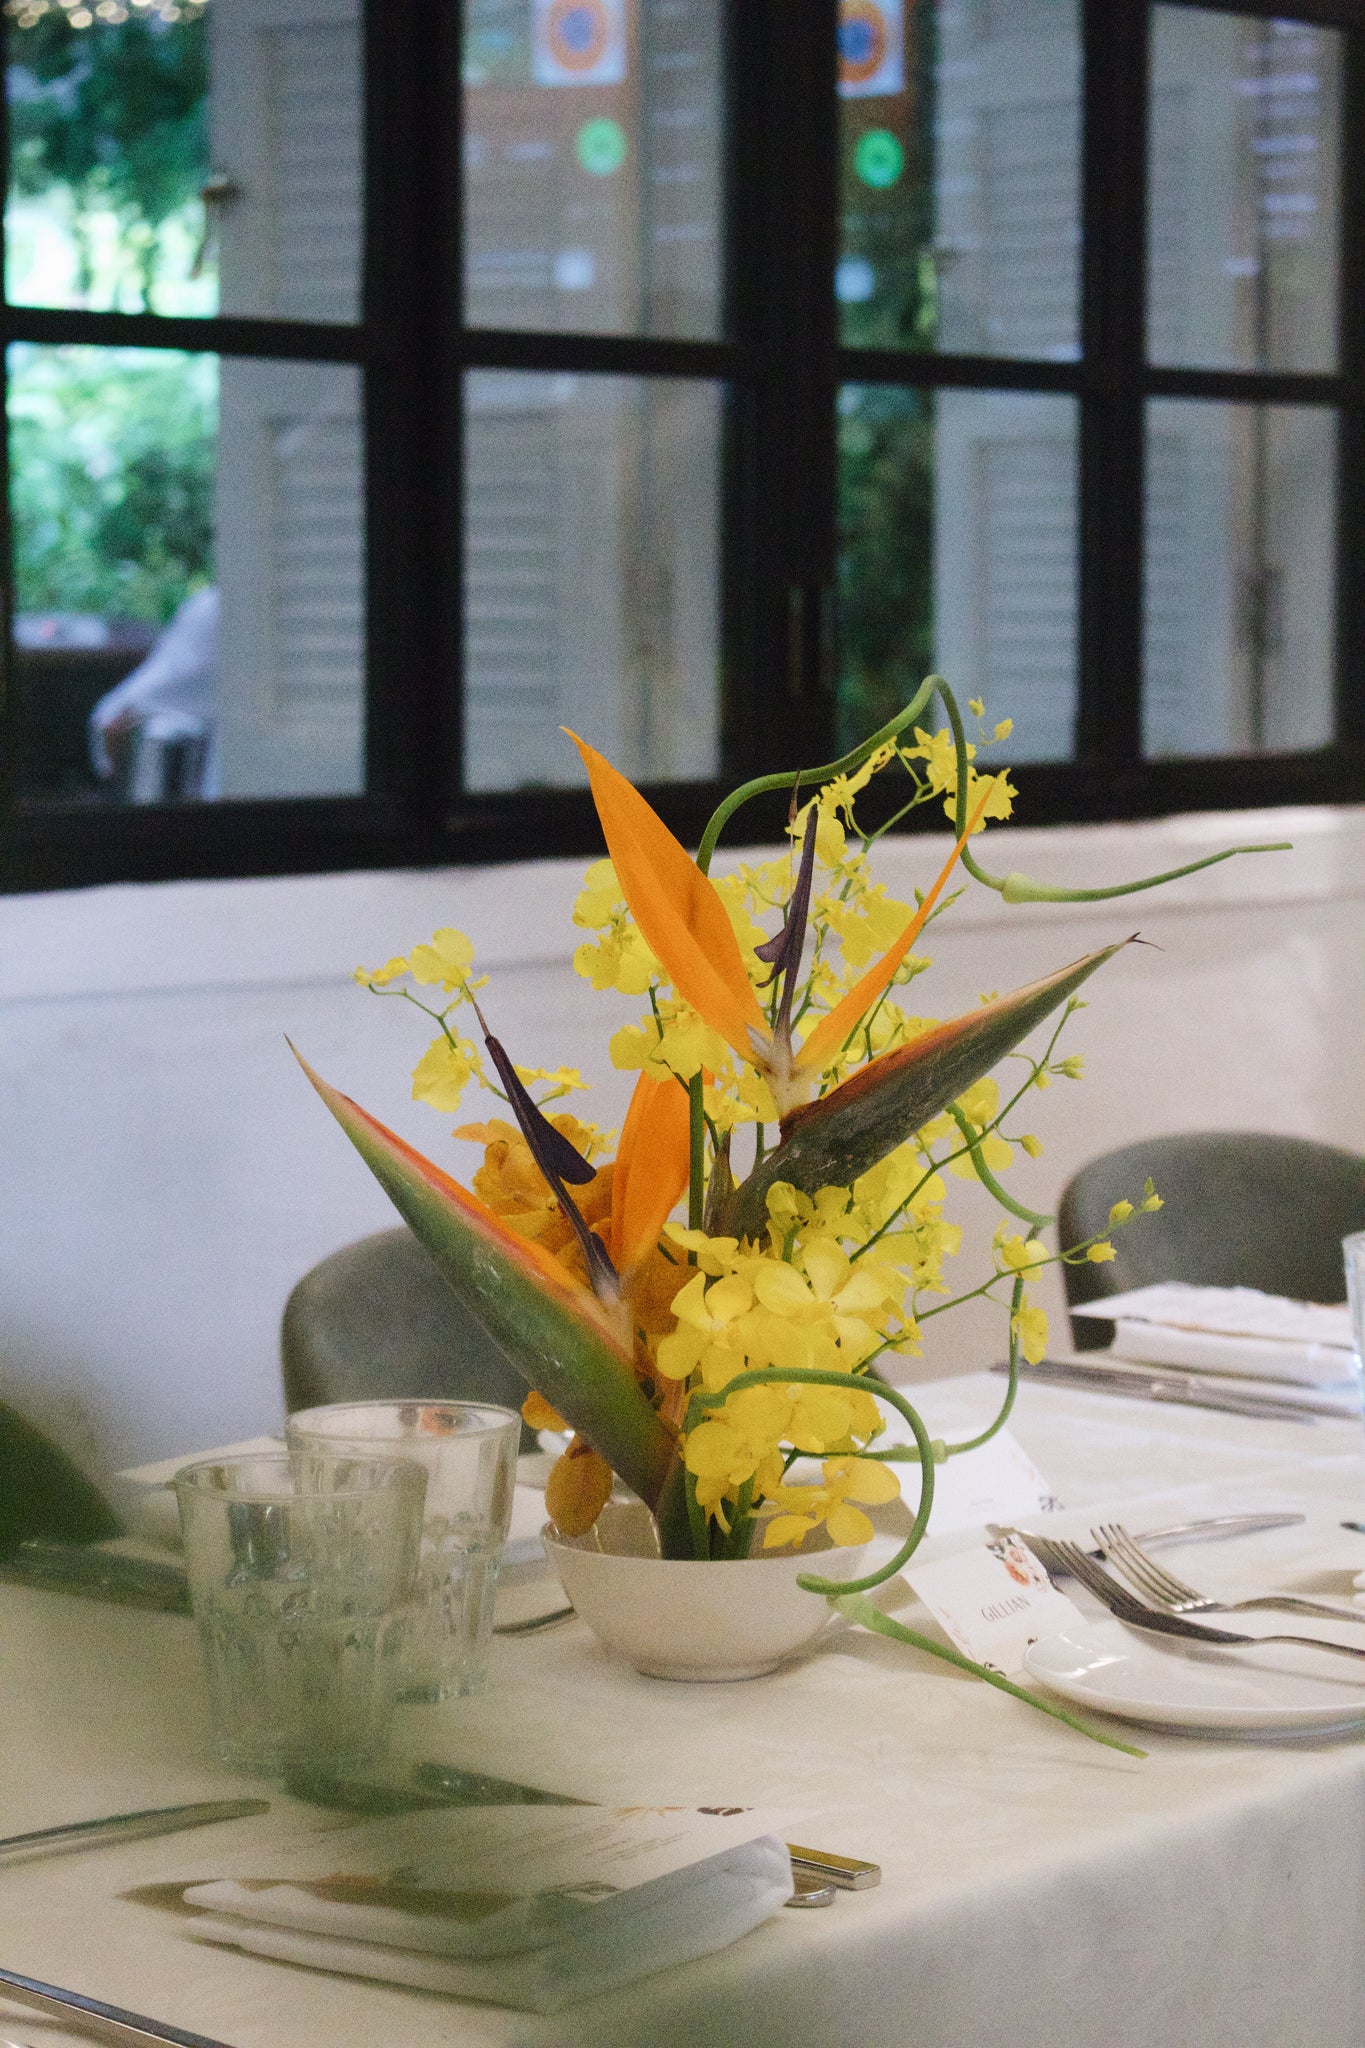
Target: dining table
1037, 1888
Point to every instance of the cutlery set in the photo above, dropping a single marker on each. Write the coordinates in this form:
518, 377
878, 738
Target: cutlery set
1175, 1600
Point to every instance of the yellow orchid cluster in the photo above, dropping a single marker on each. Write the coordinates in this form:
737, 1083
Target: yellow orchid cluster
770, 999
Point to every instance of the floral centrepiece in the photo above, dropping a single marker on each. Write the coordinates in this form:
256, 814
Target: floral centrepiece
804, 1115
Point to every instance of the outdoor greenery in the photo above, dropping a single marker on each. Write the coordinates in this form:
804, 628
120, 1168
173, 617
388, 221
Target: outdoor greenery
111, 119
112, 478
886, 552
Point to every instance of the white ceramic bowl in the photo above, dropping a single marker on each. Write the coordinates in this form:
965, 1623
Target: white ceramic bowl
680, 1619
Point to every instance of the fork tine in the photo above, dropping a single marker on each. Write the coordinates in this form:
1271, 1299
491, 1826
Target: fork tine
1143, 1570
1054, 1554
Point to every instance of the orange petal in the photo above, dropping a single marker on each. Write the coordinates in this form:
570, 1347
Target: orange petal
537, 1413
578, 1489
831, 1034
678, 911
652, 1165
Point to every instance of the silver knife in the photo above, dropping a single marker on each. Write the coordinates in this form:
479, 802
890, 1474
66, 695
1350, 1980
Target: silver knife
127, 1827
115, 2023
1137, 1385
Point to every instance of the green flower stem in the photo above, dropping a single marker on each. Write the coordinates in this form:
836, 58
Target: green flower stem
857, 1607
788, 778
1012, 1388
1014, 888
696, 1174
696, 1518
773, 1376
1019, 888
972, 1139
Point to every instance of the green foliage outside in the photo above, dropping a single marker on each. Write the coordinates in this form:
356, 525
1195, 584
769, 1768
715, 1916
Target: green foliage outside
886, 435
116, 117
886, 555
112, 457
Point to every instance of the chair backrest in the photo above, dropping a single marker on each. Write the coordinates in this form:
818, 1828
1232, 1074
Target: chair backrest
43, 1495
377, 1321
1241, 1209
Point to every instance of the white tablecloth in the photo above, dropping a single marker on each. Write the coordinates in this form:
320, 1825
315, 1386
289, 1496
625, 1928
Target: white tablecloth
1037, 1889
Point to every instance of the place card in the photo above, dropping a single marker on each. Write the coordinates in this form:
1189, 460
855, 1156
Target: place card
997, 1483
993, 1601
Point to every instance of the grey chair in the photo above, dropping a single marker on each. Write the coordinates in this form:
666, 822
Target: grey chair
1242, 1209
376, 1321
43, 1495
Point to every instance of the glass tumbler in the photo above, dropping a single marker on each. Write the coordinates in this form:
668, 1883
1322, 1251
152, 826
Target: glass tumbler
1353, 1255
303, 1589
468, 1450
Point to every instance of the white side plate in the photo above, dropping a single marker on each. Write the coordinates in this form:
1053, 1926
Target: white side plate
1167, 1684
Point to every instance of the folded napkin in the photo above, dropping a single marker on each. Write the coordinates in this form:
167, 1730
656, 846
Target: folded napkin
532, 1907
1231, 1330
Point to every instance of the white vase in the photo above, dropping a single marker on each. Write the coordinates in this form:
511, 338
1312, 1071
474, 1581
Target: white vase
676, 1618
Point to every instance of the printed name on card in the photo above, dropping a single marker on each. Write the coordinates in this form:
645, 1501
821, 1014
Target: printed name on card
993, 1601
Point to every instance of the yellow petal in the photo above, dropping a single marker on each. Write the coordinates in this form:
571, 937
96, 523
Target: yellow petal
848, 1527
786, 1529
863, 1479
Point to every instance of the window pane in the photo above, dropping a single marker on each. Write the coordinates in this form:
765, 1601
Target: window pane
592, 570
960, 176
170, 157
1245, 192
188, 575
957, 518
1239, 582
593, 165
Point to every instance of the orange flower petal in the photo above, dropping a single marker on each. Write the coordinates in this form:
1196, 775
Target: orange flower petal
652, 1164
578, 1489
675, 906
831, 1034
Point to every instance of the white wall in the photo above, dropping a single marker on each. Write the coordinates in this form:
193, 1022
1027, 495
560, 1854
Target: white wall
168, 1174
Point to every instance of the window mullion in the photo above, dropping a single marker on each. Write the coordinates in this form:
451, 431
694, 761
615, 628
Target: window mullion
1350, 563
783, 216
1114, 269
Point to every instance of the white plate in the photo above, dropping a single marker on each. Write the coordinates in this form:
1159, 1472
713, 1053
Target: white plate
1168, 1684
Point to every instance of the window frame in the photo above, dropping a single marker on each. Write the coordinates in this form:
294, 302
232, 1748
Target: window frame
778, 648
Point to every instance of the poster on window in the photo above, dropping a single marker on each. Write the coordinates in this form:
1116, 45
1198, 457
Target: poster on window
579, 42
871, 48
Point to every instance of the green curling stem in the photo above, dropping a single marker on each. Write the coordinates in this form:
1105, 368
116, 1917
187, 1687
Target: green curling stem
974, 1443
1019, 888
1016, 888
857, 1607
809, 1376
987, 1178
787, 778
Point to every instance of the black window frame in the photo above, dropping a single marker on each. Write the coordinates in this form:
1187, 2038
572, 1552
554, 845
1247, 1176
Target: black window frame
782, 365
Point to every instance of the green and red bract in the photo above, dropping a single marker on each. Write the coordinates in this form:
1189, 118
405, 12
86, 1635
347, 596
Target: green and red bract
830, 1142
551, 1330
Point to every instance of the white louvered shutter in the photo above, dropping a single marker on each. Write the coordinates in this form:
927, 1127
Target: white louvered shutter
1005, 533
287, 131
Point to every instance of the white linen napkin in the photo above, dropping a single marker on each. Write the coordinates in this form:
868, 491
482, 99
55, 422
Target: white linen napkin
535, 1907
1230, 1330
600, 1945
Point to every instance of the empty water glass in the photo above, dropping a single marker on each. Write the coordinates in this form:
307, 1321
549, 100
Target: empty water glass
1353, 1253
468, 1450
302, 1585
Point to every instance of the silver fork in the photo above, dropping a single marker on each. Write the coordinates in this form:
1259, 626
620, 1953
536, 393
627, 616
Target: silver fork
1166, 1590
1056, 1556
